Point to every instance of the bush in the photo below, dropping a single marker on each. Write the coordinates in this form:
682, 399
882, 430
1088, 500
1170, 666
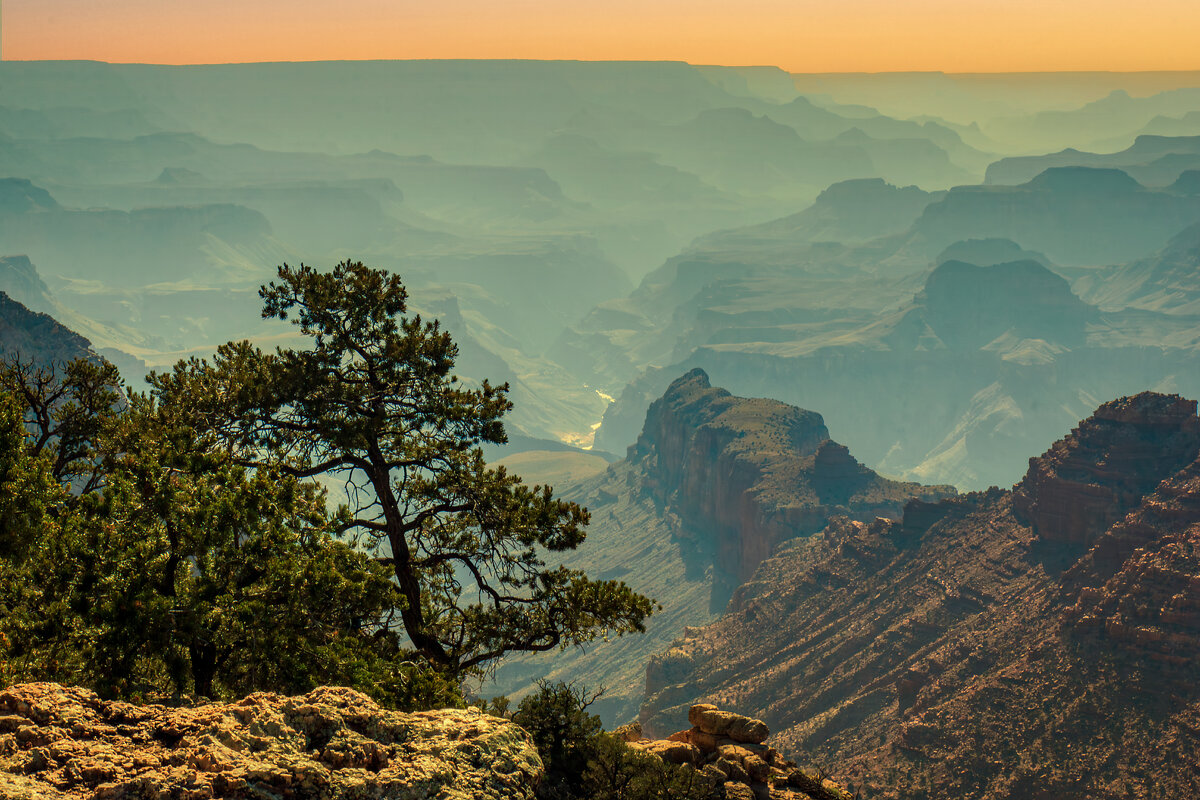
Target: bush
617, 771
565, 734
582, 761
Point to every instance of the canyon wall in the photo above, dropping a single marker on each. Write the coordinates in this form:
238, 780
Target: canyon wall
1031, 643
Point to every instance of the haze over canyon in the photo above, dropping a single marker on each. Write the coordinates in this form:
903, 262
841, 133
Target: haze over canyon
882, 386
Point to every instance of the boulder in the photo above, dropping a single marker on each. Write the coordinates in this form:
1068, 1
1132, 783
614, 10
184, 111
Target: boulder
733, 769
705, 741
742, 769
696, 712
758, 769
711, 720
745, 729
629, 732
718, 722
738, 791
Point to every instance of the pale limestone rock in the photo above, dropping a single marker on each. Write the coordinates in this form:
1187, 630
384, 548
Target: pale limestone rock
331, 743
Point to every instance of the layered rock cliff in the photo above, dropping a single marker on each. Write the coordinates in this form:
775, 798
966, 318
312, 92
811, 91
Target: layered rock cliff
58, 742
737, 476
1092, 478
1041, 642
714, 484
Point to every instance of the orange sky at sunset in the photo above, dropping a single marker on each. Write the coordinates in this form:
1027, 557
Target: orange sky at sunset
798, 35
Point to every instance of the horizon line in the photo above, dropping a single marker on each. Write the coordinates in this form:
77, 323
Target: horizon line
599, 61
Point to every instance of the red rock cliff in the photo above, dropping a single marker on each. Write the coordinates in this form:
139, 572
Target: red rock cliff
1087, 481
748, 474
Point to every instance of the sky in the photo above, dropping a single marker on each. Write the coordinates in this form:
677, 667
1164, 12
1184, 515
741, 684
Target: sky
797, 35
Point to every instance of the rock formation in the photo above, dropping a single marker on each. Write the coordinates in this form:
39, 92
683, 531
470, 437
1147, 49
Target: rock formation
1092, 478
968, 306
58, 742
742, 475
1041, 642
729, 748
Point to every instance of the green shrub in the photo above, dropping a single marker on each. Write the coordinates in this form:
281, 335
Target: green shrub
617, 771
565, 734
582, 761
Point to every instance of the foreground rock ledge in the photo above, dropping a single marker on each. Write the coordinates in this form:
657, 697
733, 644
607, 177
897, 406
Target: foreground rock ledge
58, 742
729, 749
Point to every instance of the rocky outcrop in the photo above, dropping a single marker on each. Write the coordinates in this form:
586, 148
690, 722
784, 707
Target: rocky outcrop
37, 337
729, 749
1089, 480
58, 742
1138, 588
1054, 628
742, 475
1151, 606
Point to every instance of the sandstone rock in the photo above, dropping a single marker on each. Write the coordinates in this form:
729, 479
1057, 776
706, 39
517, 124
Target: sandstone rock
758, 769
672, 752
330, 743
716, 722
744, 769
711, 720
696, 711
745, 729
733, 769
738, 791
629, 732
705, 741
735, 751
